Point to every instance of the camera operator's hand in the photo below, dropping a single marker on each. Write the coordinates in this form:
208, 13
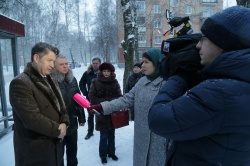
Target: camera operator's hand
191, 78
184, 59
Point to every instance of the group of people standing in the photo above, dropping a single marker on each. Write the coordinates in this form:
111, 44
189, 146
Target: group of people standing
175, 123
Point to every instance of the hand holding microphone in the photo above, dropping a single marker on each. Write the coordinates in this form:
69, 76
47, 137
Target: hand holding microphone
96, 108
82, 101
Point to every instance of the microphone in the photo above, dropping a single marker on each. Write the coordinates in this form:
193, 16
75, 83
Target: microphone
82, 101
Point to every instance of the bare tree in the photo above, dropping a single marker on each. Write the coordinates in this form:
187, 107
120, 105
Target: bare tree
129, 38
105, 30
245, 3
50, 30
85, 35
79, 30
67, 12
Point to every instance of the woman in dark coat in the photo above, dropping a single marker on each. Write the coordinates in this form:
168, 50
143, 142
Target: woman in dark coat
105, 88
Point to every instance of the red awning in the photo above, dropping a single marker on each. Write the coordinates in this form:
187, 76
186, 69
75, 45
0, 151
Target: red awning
11, 26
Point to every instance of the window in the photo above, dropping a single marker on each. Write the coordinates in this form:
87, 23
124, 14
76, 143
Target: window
207, 11
157, 9
188, 9
173, 3
157, 24
141, 21
140, 5
158, 40
142, 37
140, 53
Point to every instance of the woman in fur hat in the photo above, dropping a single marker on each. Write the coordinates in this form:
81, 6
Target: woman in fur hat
105, 88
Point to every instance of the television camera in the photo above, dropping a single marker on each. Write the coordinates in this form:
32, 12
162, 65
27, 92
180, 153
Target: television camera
177, 21
180, 51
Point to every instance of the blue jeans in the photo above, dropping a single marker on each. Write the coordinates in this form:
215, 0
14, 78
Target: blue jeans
107, 143
70, 143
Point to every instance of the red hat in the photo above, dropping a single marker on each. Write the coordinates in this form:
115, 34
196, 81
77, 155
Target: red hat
107, 66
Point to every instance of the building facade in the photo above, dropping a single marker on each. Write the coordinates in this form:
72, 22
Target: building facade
152, 21
9, 66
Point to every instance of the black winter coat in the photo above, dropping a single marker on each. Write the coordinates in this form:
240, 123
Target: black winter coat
69, 87
104, 89
85, 81
132, 80
209, 124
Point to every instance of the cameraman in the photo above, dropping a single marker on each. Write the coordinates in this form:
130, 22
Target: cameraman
210, 125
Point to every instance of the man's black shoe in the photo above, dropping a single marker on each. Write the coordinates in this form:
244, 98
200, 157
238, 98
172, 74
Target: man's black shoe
88, 136
114, 157
104, 160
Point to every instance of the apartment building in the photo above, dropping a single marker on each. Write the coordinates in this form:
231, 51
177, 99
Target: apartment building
152, 22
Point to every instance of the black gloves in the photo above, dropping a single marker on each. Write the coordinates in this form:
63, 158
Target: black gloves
184, 59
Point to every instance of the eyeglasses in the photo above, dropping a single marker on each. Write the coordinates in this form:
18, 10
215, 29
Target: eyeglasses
202, 39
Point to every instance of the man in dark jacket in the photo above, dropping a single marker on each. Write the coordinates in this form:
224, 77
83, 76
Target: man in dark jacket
39, 112
209, 124
84, 85
132, 80
69, 86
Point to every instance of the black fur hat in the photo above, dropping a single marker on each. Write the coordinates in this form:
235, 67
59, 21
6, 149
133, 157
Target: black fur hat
107, 66
138, 65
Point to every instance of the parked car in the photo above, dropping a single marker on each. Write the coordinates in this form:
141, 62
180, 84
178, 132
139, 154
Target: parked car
72, 66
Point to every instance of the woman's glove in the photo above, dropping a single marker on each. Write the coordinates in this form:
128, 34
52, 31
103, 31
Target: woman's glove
95, 109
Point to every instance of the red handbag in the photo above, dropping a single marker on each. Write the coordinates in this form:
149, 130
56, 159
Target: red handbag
120, 119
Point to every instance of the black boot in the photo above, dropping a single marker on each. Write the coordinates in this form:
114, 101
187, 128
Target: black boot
104, 160
89, 135
114, 157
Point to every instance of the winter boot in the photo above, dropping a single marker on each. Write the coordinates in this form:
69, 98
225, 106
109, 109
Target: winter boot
104, 160
114, 157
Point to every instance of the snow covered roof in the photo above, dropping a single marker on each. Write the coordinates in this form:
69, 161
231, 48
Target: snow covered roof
11, 26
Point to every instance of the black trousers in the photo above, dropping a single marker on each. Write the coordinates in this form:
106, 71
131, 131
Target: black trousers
90, 123
70, 144
107, 143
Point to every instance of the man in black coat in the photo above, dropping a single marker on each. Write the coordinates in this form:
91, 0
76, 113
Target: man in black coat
84, 85
69, 86
132, 80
